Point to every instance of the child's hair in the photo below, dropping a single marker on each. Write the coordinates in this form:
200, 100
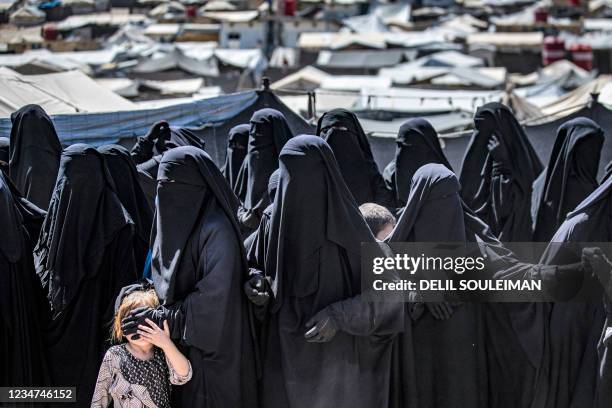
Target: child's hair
129, 303
377, 217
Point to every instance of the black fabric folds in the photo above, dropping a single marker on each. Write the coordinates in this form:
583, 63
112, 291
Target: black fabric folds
570, 177
23, 306
84, 256
198, 268
449, 355
499, 187
4, 154
34, 154
312, 259
342, 131
268, 134
237, 142
127, 186
417, 145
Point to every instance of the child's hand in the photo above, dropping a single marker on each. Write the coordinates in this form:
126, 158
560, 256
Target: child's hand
156, 336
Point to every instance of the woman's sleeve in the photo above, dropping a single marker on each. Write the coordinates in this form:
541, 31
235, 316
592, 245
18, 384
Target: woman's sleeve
101, 396
175, 378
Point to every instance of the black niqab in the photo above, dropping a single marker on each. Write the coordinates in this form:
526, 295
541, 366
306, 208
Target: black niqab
268, 134
449, 355
570, 177
237, 141
83, 258
34, 154
198, 268
313, 262
417, 145
500, 193
342, 131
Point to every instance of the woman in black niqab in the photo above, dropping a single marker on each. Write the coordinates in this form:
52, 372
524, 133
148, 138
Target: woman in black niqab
127, 186
498, 172
268, 134
237, 141
446, 344
84, 256
23, 307
34, 154
417, 145
324, 345
570, 177
198, 268
342, 131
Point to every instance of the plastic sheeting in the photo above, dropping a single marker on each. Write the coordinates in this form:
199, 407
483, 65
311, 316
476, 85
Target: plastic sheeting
102, 128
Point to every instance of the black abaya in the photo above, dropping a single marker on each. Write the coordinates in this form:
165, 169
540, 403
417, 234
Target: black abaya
83, 258
570, 177
198, 268
497, 182
342, 131
269, 133
34, 154
237, 141
127, 186
448, 355
313, 263
23, 307
417, 145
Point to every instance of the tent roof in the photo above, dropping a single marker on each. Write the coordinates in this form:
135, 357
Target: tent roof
65, 92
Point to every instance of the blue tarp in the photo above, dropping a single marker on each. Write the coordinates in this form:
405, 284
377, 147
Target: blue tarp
102, 128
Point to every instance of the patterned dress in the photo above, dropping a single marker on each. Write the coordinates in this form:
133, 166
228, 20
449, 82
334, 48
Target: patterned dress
133, 383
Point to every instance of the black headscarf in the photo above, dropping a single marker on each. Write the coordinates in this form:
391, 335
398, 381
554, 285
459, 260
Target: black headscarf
84, 216
433, 200
126, 180
237, 141
343, 133
34, 154
188, 181
313, 208
479, 179
268, 134
417, 145
198, 268
4, 154
570, 177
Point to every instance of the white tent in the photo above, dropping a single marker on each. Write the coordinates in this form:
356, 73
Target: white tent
65, 92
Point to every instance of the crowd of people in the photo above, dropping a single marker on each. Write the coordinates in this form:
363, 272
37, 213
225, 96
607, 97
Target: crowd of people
154, 278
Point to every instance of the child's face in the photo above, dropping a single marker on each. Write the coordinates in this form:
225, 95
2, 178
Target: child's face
140, 342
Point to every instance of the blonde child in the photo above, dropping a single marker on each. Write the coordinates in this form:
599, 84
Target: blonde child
139, 372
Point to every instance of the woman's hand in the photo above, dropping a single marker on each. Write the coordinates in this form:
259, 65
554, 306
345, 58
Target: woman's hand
155, 335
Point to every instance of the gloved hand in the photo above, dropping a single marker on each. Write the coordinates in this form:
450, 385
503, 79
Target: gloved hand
322, 326
440, 310
498, 150
159, 131
129, 324
145, 284
256, 290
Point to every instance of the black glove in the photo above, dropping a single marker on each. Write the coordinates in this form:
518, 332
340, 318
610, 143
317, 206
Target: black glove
159, 131
257, 291
145, 284
130, 323
323, 328
498, 150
